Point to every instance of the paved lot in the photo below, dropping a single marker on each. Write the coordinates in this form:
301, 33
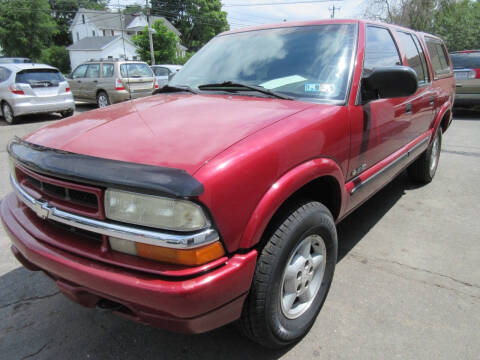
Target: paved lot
407, 284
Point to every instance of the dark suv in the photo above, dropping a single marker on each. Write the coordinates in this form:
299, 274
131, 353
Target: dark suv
466, 65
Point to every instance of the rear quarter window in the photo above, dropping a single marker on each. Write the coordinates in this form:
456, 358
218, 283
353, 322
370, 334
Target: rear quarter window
40, 77
438, 56
4, 74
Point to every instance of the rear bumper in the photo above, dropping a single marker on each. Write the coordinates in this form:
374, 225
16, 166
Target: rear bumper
34, 105
192, 305
467, 99
123, 95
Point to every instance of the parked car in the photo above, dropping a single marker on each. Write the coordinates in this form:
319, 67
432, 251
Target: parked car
110, 81
14, 60
164, 73
217, 200
31, 89
466, 65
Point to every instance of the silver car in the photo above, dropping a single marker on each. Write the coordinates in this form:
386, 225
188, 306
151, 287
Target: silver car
31, 89
163, 73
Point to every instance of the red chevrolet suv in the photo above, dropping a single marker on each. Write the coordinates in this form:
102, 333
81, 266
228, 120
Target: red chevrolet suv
216, 199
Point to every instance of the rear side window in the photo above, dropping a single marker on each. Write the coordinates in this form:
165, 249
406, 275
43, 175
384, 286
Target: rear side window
93, 71
466, 60
415, 57
107, 70
135, 70
161, 71
4, 74
39, 77
438, 55
380, 49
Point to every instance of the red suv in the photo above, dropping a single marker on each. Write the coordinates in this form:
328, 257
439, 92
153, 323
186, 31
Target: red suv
216, 200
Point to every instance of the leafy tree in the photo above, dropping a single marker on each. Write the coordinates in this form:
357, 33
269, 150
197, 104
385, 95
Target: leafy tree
133, 9
26, 27
164, 43
56, 56
63, 12
197, 20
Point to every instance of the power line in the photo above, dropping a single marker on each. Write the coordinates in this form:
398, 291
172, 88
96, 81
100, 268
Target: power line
278, 3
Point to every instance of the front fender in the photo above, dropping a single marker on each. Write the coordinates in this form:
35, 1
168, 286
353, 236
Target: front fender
282, 189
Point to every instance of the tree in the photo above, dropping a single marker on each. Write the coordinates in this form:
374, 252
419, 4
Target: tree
26, 27
197, 20
164, 43
56, 56
63, 12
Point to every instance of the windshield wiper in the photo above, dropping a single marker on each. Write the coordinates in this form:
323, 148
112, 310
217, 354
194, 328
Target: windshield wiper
178, 88
232, 86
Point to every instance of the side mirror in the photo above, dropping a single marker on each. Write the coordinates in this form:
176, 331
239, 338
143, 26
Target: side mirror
389, 82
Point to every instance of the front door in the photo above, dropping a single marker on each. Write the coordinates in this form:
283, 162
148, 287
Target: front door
76, 82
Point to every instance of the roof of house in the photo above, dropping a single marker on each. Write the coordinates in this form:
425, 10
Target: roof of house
94, 42
112, 20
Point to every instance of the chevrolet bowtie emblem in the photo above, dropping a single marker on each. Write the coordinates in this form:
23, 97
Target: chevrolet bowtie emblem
41, 210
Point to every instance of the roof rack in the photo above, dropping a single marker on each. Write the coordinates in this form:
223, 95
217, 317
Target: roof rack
111, 58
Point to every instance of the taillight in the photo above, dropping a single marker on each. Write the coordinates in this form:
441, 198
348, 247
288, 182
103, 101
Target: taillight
119, 85
156, 83
477, 73
16, 89
67, 89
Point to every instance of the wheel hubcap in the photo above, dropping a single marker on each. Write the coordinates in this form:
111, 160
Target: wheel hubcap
434, 155
7, 113
102, 101
303, 276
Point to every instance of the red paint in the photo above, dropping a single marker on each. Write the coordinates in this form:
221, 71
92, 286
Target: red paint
250, 154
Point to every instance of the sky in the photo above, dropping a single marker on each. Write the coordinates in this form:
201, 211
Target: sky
251, 15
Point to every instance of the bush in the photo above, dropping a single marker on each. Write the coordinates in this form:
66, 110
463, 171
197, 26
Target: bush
56, 56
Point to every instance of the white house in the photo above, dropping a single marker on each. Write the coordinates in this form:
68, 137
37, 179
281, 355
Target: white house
102, 34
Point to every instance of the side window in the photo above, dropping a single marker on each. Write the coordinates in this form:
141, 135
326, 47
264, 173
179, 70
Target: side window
80, 72
380, 49
93, 71
107, 70
438, 55
161, 71
4, 74
414, 58
422, 57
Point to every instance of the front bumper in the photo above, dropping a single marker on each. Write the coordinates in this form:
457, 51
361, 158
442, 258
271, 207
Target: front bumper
193, 305
23, 105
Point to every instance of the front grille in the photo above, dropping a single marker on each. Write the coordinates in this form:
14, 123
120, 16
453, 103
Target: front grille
68, 196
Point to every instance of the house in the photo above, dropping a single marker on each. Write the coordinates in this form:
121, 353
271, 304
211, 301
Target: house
101, 34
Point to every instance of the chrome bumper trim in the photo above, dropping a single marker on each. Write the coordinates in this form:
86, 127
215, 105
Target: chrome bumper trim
45, 211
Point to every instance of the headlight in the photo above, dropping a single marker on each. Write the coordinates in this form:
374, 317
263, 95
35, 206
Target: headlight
154, 211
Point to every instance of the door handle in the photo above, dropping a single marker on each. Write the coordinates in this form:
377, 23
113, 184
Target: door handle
408, 108
432, 100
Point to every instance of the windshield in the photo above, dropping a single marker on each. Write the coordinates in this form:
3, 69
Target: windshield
309, 62
135, 70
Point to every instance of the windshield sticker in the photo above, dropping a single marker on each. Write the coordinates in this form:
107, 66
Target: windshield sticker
287, 80
320, 88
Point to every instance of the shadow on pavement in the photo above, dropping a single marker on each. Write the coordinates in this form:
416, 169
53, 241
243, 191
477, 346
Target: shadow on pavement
466, 114
36, 319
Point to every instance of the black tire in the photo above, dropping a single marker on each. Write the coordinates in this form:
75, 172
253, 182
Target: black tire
424, 168
7, 113
102, 99
67, 113
263, 319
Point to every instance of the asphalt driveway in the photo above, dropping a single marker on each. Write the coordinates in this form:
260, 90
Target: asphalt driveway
407, 284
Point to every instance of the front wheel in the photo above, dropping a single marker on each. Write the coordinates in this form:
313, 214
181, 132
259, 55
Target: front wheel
424, 168
292, 278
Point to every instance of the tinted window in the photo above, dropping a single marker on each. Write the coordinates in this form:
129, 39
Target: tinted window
80, 72
135, 70
438, 55
107, 70
4, 74
308, 62
39, 77
422, 58
161, 71
414, 58
466, 60
93, 71
380, 49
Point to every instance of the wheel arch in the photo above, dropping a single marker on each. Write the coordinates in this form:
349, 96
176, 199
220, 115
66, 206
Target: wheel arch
318, 179
443, 118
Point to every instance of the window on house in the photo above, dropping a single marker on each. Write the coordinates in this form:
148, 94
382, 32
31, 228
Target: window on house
113, 33
83, 18
104, 33
78, 36
93, 32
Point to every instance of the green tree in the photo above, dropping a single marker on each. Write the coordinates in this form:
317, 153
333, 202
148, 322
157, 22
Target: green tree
197, 20
26, 27
56, 56
63, 12
164, 43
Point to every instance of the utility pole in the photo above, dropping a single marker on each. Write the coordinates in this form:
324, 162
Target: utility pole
332, 10
152, 54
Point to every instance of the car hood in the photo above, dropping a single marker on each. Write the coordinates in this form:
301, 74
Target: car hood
173, 130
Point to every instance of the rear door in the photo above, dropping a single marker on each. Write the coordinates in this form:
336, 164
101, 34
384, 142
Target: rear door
90, 84
107, 82
137, 77
421, 105
76, 82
